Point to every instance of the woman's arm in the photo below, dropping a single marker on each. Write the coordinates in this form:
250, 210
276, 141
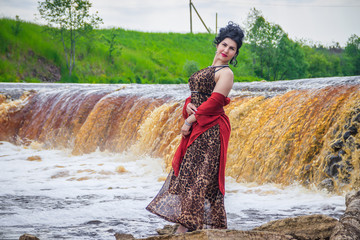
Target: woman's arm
223, 86
225, 82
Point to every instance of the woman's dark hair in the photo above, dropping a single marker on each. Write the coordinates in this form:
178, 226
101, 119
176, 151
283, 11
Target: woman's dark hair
233, 31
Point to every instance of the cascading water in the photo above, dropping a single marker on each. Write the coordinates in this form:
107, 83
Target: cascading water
105, 150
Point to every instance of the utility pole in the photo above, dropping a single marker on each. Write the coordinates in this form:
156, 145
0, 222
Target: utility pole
191, 5
190, 16
216, 25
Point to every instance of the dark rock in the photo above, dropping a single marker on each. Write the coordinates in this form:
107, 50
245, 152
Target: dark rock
334, 170
357, 118
96, 222
351, 143
122, 236
342, 152
328, 184
28, 237
302, 227
347, 135
349, 166
353, 130
348, 227
334, 159
337, 145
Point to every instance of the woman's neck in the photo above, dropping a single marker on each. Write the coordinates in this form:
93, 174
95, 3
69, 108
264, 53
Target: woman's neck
219, 63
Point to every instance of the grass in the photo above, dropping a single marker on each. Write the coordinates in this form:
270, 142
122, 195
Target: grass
138, 57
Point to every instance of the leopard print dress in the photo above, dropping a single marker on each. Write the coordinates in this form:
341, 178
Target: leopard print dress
193, 198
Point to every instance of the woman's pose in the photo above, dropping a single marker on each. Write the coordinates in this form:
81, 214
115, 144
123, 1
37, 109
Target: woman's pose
193, 193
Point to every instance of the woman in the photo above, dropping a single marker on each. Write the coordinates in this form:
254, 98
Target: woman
193, 194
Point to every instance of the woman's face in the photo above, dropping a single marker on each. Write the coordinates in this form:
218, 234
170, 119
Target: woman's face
226, 49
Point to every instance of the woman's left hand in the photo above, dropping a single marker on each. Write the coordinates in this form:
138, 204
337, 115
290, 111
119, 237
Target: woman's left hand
185, 130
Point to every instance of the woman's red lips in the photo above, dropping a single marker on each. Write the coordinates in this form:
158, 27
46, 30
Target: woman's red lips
224, 55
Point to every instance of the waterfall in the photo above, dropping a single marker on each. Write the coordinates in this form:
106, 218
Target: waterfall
304, 131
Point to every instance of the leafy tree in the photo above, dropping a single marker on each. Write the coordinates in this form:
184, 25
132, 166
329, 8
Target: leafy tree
289, 61
112, 43
68, 20
352, 53
16, 27
275, 56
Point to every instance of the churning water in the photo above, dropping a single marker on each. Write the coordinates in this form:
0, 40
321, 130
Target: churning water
56, 195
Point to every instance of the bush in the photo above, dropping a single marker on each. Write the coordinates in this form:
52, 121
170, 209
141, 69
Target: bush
190, 67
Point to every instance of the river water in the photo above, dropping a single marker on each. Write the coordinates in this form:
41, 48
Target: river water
47, 190
56, 195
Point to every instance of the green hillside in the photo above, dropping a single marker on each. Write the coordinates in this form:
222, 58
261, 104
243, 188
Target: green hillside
32, 55
29, 53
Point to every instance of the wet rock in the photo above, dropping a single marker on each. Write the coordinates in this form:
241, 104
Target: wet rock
334, 170
348, 227
353, 130
215, 234
168, 229
357, 118
351, 143
337, 145
122, 236
95, 222
302, 227
347, 135
342, 152
328, 184
334, 159
28, 237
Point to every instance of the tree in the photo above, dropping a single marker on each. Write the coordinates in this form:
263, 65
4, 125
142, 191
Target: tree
352, 53
68, 20
17, 28
264, 39
113, 46
275, 56
290, 60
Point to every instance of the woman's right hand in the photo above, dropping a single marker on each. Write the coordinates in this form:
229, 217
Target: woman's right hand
185, 130
191, 109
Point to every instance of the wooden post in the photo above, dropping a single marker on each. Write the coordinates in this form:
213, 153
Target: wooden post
199, 16
190, 16
216, 25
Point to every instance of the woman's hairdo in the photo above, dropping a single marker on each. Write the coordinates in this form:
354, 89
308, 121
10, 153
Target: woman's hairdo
233, 31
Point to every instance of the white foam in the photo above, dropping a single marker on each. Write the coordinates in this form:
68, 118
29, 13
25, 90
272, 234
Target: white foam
45, 197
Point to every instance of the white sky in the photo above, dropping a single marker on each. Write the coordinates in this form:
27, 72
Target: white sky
321, 21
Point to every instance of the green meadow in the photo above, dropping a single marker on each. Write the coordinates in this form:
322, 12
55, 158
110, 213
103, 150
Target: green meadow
29, 53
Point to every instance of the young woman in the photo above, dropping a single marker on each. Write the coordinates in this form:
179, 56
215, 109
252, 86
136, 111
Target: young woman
193, 194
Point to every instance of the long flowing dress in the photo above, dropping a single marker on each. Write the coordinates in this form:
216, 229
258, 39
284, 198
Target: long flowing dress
193, 198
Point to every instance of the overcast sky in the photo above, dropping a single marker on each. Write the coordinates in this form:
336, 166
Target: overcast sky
321, 21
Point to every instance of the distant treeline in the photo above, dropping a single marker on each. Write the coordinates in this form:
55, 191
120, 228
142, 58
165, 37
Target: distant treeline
29, 53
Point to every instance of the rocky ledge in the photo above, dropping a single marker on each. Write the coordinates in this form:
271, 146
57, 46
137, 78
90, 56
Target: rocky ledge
319, 227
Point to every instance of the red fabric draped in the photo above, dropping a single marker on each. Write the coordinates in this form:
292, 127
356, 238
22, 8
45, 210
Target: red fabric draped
208, 114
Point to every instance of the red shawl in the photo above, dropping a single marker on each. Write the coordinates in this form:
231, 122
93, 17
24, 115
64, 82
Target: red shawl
208, 114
